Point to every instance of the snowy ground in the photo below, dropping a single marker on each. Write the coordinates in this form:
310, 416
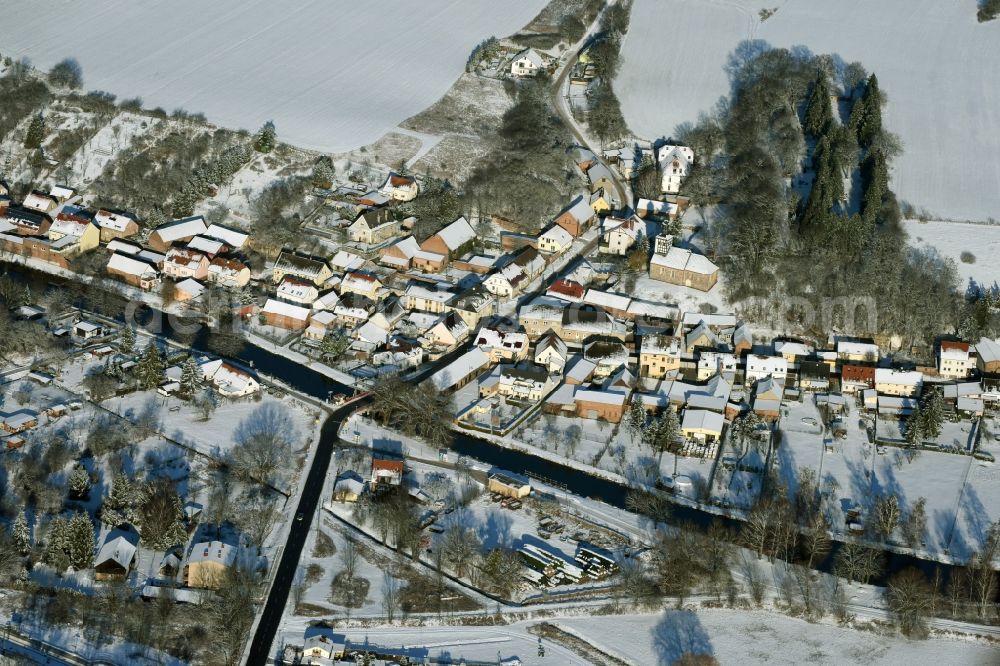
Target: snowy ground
920, 49
962, 493
323, 73
953, 238
757, 637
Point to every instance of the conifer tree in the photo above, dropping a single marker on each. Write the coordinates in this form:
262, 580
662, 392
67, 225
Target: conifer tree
119, 507
36, 132
265, 139
56, 540
127, 344
79, 482
150, 367
21, 534
80, 541
190, 377
819, 115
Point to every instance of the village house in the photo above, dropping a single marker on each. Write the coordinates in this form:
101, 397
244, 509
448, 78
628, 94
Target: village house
554, 240
449, 332
711, 363
228, 272
506, 282
502, 345
675, 162
178, 231
616, 305
19, 422
188, 290
702, 426
759, 367
40, 203
399, 187
425, 299
508, 485
210, 247
525, 382
116, 555
228, 380
362, 284
473, 305
682, 267
115, 225
577, 218
526, 63
898, 382
373, 227
854, 377
654, 208
814, 376
321, 647
353, 309
954, 359
567, 290
767, 397
607, 356
595, 404
320, 323
400, 254
386, 471
132, 271
61, 193
551, 353
314, 270
234, 238
659, 356
183, 263
619, 236
348, 487
285, 315
25, 222
578, 326
208, 562
600, 202
600, 178
452, 241
295, 290
848, 350
461, 371
988, 356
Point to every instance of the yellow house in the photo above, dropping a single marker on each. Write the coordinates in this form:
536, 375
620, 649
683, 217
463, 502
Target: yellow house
508, 485
599, 202
208, 562
702, 425
658, 356
85, 232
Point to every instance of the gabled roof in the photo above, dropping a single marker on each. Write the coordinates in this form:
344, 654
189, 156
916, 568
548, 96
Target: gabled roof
116, 221
126, 264
234, 238
118, 547
553, 341
531, 55
286, 309
569, 290
579, 210
557, 235
456, 234
702, 419
183, 228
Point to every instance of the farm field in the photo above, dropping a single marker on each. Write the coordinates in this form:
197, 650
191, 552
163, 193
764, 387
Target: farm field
331, 76
951, 239
923, 52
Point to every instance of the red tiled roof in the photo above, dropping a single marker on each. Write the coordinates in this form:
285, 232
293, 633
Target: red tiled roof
954, 344
567, 287
388, 465
858, 373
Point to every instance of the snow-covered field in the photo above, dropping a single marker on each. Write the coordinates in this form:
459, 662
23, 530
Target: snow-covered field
929, 57
741, 637
953, 238
332, 76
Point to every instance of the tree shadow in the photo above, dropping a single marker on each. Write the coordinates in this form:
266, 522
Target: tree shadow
679, 633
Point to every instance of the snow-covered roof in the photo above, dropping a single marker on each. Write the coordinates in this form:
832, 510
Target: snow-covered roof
118, 245
232, 380
371, 332
433, 295
654, 207
557, 235
988, 350
962, 390
192, 287
639, 308
580, 210
616, 398
685, 260
531, 55
408, 247
456, 234
659, 344
69, 227
126, 264
670, 152
286, 309
702, 419
345, 261
857, 348
890, 376
349, 483
606, 299
793, 348
296, 290
327, 301
553, 341
205, 244
107, 219
713, 320
183, 228
231, 237
581, 370
469, 362
118, 547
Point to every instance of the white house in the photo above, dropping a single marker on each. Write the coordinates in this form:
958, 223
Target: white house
525, 382
551, 353
954, 359
526, 63
399, 187
759, 367
619, 236
231, 382
554, 240
898, 382
506, 282
675, 163
299, 291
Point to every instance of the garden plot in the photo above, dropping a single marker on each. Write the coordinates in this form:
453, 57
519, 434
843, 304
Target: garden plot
744, 637
962, 495
973, 247
937, 103
313, 68
88, 163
